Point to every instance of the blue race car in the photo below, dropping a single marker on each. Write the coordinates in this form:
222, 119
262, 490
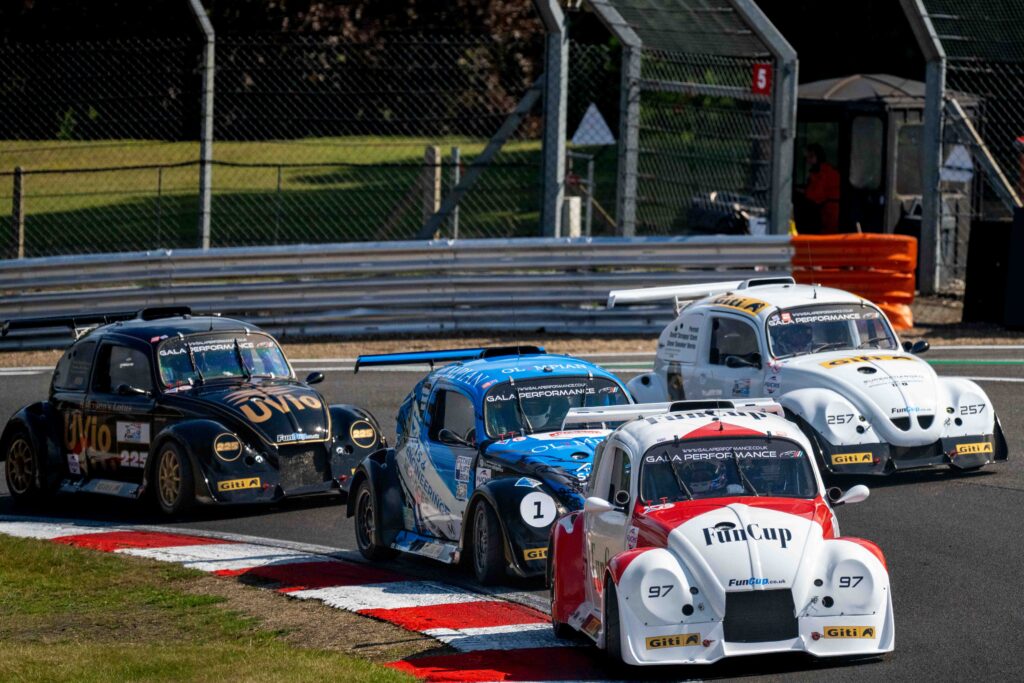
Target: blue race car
482, 467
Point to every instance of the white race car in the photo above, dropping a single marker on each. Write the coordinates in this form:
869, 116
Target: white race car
707, 533
834, 363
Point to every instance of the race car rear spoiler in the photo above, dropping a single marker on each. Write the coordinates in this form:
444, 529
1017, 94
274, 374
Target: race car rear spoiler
680, 293
577, 416
78, 323
444, 356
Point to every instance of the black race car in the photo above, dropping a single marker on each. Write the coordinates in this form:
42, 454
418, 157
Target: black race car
188, 408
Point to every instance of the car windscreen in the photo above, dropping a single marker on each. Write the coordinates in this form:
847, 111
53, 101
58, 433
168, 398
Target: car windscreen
828, 327
185, 361
725, 467
540, 405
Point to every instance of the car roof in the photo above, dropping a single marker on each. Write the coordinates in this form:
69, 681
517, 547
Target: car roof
704, 424
148, 330
763, 300
477, 376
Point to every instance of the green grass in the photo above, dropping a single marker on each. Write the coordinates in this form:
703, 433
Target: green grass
71, 614
311, 190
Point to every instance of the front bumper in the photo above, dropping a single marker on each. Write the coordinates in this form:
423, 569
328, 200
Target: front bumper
704, 643
962, 452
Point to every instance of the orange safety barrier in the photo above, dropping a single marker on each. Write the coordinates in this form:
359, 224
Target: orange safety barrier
878, 267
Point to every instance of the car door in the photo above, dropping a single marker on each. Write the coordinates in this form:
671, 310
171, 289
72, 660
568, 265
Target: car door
67, 396
451, 450
120, 408
606, 531
734, 358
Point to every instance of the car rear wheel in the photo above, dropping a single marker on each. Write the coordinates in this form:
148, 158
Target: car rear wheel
488, 551
21, 468
612, 632
366, 525
175, 489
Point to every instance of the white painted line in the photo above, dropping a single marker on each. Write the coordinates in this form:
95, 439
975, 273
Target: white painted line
393, 595
976, 347
513, 637
1008, 380
47, 530
221, 556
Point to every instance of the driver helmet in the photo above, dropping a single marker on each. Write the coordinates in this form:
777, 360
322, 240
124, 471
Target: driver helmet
707, 476
793, 338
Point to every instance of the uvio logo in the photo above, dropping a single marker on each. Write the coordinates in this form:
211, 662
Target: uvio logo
727, 532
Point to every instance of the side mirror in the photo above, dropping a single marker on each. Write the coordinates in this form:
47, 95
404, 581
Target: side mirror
855, 494
595, 505
920, 346
907, 345
450, 438
621, 498
128, 390
315, 377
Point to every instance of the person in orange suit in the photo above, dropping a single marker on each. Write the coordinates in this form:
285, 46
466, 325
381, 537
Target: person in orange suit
822, 190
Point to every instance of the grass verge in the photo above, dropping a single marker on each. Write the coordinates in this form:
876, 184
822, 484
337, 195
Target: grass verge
72, 614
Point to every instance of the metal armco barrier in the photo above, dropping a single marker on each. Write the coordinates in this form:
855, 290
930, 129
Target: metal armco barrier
362, 289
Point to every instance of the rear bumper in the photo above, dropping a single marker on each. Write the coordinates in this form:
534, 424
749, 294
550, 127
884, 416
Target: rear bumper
963, 452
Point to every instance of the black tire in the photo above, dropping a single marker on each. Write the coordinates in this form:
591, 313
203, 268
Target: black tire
561, 629
173, 481
366, 524
612, 632
21, 469
487, 548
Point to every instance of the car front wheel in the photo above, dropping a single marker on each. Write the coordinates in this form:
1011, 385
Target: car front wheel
175, 489
612, 631
488, 550
366, 525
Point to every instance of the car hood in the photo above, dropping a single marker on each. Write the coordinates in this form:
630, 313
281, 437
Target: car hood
278, 412
889, 385
739, 545
561, 459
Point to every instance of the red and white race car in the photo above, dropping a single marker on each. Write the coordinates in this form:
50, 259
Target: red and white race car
707, 533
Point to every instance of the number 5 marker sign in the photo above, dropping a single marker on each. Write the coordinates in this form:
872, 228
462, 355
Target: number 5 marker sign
761, 84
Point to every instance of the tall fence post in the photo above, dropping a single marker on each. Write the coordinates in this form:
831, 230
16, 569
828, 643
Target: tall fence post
18, 214
929, 251
556, 69
430, 182
629, 141
456, 177
206, 124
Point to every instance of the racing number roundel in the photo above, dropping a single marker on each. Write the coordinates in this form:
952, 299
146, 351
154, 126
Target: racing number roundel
362, 434
227, 447
537, 509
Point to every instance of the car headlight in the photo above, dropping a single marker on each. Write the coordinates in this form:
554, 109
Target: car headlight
665, 594
852, 587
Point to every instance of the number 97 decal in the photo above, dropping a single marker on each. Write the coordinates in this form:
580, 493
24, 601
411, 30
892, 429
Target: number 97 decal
659, 591
850, 581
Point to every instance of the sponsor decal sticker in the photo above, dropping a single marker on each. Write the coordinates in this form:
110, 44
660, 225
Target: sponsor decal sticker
74, 466
483, 475
592, 625
740, 303
259, 405
133, 432
849, 632
526, 482
755, 581
239, 484
972, 448
681, 640
531, 554
741, 387
728, 532
837, 362
852, 458
227, 447
631, 537
362, 434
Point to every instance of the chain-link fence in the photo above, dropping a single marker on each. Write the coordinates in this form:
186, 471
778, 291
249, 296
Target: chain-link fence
983, 122
316, 139
700, 96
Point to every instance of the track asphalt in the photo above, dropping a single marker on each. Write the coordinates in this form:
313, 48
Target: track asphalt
953, 542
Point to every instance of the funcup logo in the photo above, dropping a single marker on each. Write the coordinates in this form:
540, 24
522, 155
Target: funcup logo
754, 581
727, 532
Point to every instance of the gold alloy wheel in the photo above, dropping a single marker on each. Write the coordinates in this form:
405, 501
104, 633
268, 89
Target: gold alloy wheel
169, 478
20, 466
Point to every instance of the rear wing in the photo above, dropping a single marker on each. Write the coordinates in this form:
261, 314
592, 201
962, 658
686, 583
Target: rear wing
577, 416
444, 356
79, 324
680, 293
